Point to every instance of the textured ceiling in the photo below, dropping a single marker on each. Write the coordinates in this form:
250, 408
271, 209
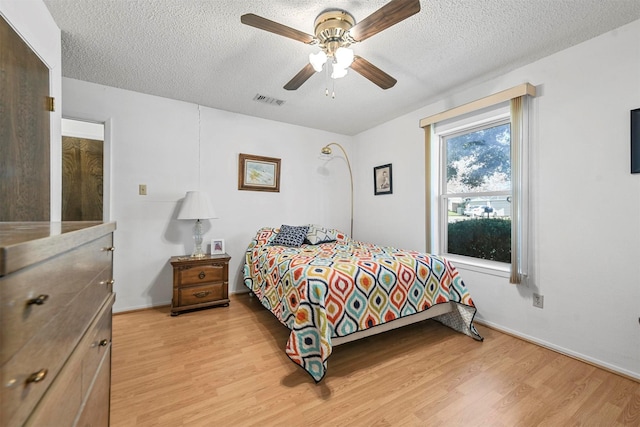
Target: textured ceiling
198, 51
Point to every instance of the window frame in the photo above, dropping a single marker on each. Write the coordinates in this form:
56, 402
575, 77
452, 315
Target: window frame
499, 115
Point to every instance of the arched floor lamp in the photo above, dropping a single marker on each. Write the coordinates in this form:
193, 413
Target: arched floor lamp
326, 150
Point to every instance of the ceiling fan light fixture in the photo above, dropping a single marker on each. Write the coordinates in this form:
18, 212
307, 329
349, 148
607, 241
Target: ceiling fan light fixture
338, 71
344, 56
317, 60
335, 29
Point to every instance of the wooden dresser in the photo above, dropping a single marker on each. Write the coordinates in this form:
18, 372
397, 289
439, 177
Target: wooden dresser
56, 282
199, 282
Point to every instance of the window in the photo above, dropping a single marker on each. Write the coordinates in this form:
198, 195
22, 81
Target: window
471, 185
475, 194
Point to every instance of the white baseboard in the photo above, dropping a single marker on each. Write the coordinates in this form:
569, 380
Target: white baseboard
161, 304
578, 356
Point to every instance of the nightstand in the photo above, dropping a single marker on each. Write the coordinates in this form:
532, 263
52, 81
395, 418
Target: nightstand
199, 282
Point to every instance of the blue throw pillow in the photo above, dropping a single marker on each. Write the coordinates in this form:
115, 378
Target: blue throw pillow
291, 235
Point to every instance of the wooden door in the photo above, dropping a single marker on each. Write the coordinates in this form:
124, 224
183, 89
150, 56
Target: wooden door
82, 179
24, 131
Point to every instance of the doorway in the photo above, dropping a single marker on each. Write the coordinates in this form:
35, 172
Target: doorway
82, 171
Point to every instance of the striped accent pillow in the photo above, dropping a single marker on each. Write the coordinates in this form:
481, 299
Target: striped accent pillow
317, 235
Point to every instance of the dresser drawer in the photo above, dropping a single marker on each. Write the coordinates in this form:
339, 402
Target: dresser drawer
63, 399
34, 297
68, 393
47, 345
94, 412
193, 275
40, 353
96, 346
200, 294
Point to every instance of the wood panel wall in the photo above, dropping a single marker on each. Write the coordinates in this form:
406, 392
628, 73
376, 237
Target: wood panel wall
24, 131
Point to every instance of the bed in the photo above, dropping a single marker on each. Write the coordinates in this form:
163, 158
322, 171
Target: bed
329, 289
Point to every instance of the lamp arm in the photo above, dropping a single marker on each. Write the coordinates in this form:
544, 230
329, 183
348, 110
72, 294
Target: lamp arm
350, 177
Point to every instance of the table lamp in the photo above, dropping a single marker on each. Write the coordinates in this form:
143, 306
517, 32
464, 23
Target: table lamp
196, 205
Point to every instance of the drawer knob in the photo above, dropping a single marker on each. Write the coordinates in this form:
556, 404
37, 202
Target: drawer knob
109, 249
39, 300
108, 282
104, 342
201, 275
36, 377
201, 294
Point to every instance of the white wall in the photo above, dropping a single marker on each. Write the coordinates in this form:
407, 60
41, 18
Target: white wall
585, 204
173, 147
33, 22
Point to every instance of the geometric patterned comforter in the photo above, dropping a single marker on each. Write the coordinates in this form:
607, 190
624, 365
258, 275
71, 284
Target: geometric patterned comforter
335, 289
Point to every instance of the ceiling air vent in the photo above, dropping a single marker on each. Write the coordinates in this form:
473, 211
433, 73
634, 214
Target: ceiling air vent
268, 100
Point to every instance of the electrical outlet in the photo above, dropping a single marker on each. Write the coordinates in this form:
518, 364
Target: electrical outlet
538, 300
142, 189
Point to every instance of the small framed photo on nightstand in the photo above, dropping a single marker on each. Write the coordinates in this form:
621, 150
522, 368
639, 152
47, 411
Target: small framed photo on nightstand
217, 246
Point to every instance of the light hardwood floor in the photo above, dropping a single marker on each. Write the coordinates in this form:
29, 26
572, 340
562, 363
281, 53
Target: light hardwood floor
226, 366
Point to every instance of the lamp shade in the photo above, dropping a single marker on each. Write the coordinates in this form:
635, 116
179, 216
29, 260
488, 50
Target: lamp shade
344, 56
338, 71
317, 60
196, 205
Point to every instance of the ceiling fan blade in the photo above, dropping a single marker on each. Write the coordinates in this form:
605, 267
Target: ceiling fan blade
373, 73
388, 15
302, 76
276, 28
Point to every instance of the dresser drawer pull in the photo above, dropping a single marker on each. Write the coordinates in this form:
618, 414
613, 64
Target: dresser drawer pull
201, 294
201, 275
36, 377
108, 282
39, 300
109, 249
104, 342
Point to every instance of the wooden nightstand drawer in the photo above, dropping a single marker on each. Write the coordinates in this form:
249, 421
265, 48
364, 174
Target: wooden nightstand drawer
199, 282
201, 294
202, 274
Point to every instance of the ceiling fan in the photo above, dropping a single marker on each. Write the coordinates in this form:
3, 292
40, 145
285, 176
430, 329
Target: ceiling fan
335, 31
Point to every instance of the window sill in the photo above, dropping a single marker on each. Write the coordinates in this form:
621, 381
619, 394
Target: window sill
493, 268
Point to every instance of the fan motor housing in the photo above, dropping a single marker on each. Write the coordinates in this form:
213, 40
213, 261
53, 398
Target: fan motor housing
331, 28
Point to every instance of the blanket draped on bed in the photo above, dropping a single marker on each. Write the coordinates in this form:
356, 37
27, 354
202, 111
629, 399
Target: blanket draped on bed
338, 288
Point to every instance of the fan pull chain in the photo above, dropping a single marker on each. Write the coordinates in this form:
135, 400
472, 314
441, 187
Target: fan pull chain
326, 80
326, 84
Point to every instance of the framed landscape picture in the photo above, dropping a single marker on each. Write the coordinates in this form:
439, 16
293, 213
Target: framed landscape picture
258, 173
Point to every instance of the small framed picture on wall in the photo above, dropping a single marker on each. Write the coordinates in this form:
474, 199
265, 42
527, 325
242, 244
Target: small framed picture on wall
382, 182
217, 246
